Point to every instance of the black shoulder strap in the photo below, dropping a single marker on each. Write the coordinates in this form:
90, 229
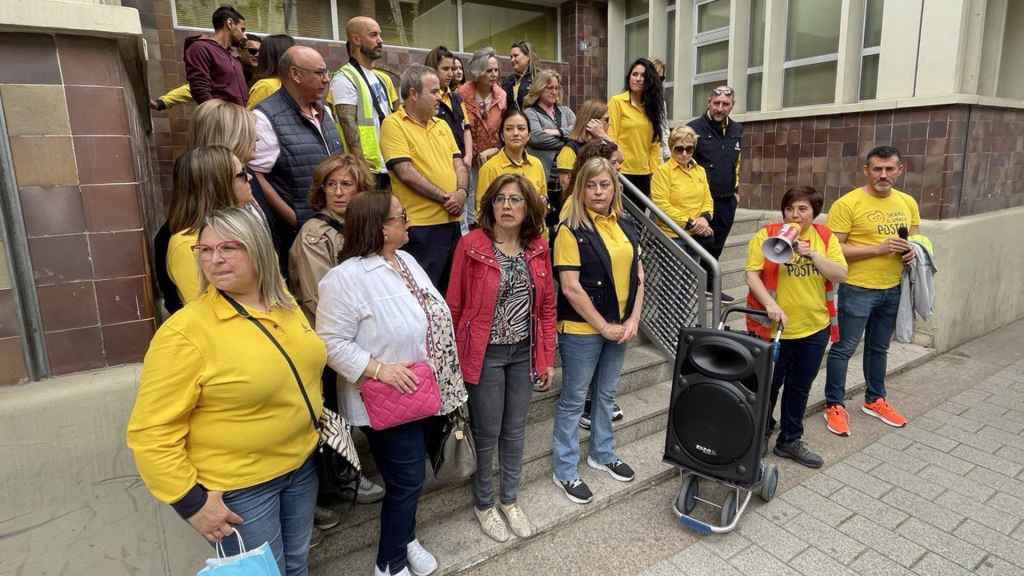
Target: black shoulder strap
295, 372
373, 95
338, 226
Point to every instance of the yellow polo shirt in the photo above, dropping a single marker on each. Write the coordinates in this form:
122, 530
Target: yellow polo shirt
801, 289
261, 89
868, 221
182, 267
500, 164
620, 252
633, 132
430, 148
566, 159
681, 192
217, 403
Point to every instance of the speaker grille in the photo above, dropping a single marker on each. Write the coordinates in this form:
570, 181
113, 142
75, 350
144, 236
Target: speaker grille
713, 422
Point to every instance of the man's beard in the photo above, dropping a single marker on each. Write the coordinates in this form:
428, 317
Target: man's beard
373, 53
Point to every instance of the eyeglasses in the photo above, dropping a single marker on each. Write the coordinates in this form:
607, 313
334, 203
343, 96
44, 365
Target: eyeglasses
723, 91
501, 200
321, 72
254, 51
227, 249
332, 185
244, 176
403, 217
683, 149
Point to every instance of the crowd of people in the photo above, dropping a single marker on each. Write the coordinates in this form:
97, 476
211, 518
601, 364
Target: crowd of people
468, 222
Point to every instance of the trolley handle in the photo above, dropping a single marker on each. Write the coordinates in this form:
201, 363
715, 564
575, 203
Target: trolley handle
744, 310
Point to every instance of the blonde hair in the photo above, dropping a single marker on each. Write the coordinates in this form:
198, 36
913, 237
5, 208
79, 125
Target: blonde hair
683, 134
576, 216
540, 82
203, 183
589, 110
226, 124
243, 226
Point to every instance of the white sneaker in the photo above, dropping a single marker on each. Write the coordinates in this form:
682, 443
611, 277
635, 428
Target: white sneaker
421, 562
491, 523
378, 572
517, 520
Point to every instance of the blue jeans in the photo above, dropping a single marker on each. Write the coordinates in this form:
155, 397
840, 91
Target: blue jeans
867, 311
587, 360
278, 511
401, 455
798, 364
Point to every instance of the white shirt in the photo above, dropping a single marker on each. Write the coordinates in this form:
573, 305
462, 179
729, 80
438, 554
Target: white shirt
365, 312
344, 92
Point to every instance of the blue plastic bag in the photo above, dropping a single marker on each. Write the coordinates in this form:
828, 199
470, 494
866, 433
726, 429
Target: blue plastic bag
256, 562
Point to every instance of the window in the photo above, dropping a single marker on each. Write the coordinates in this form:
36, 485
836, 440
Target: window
871, 47
812, 52
637, 30
670, 59
303, 18
417, 24
499, 24
755, 55
711, 49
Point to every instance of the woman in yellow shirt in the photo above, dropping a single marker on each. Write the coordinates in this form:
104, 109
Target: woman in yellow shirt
599, 311
267, 81
796, 293
220, 429
637, 121
512, 158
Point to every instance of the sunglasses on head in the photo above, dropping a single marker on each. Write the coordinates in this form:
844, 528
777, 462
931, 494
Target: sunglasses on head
723, 91
681, 149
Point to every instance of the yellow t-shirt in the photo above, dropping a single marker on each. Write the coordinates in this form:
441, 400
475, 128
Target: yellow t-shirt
261, 89
633, 132
868, 221
430, 148
217, 403
500, 164
620, 252
182, 266
801, 288
566, 159
681, 193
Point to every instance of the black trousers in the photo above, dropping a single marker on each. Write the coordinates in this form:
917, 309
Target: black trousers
433, 247
641, 181
721, 223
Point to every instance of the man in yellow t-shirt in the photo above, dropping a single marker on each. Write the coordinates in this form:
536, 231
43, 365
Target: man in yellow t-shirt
795, 293
872, 224
430, 177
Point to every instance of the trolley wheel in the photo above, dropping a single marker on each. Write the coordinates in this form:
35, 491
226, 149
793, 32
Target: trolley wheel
770, 483
729, 509
687, 499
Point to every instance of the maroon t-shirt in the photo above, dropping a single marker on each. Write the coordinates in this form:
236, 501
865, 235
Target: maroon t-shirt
213, 72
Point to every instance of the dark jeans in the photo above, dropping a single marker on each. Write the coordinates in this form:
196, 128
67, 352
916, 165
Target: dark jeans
641, 181
798, 364
433, 246
498, 406
705, 242
872, 313
721, 223
401, 454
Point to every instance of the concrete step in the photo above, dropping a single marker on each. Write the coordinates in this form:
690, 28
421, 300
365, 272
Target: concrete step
459, 544
733, 273
746, 222
736, 247
643, 396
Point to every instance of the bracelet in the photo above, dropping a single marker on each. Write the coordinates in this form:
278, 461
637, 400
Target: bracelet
376, 372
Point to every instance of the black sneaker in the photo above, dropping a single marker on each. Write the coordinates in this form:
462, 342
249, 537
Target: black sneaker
798, 452
325, 518
576, 490
617, 412
726, 299
617, 469
585, 418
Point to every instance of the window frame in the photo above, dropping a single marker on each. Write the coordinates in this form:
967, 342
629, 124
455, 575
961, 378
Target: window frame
808, 61
702, 39
864, 52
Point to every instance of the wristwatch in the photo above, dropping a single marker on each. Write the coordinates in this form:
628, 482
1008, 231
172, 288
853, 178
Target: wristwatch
689, 224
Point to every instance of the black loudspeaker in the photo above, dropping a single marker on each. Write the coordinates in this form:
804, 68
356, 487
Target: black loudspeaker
721, 391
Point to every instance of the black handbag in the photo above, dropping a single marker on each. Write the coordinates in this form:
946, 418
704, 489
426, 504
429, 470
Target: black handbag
337, 461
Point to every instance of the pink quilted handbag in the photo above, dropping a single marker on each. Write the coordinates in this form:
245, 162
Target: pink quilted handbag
387, 407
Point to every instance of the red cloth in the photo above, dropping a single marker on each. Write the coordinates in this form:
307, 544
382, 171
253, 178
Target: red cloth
483, 124
473, 293
213, 72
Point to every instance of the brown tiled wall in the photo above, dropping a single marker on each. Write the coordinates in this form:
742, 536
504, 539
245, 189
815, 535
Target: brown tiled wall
67, 121
959, 160
585, 22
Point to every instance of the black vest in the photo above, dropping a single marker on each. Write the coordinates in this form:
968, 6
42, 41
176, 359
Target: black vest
172, 302
596, 274
718, 153
455, 119
302, 148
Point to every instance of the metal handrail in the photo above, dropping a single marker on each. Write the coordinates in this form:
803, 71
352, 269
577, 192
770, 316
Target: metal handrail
666, 309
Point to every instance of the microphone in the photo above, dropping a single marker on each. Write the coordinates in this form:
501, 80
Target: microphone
903, 233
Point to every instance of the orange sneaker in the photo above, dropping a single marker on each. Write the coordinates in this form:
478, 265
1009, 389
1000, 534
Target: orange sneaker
885, 412
837, 420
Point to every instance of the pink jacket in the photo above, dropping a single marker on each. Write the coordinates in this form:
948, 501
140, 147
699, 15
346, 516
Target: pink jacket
473, 293
483, 124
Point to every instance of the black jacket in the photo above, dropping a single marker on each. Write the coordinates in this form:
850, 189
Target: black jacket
455, 119
512, 102
596, 274
718, 153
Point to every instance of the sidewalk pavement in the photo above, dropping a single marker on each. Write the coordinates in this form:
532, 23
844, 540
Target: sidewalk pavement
945, 495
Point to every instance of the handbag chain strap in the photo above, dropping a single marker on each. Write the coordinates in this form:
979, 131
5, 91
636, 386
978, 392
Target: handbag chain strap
295, 372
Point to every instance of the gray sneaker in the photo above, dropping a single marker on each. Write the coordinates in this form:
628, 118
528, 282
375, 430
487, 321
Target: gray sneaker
325, 518
369, 492
798, 452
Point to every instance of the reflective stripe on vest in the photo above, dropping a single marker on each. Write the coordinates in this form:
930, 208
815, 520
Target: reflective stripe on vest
365, 125
762, 326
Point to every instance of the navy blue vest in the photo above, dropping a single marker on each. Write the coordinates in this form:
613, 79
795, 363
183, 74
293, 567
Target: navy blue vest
596, 274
